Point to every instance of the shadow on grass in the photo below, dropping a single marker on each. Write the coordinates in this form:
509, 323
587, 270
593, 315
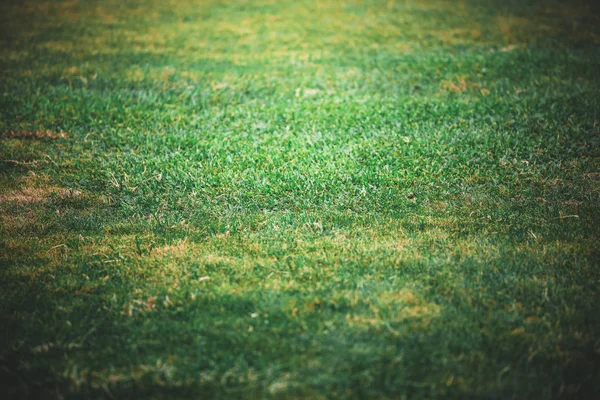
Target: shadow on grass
461, 335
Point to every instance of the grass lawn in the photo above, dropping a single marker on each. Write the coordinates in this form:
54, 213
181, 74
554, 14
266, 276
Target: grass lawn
300, 199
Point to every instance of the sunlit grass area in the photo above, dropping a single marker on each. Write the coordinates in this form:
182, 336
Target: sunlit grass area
300, 199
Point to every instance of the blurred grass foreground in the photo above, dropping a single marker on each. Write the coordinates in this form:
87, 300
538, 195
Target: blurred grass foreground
300, 199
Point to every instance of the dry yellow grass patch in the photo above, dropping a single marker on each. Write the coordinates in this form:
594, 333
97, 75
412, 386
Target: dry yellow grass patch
455, 86
414, 305
397, 306
35, 134
26, 196
176, 249
34, 188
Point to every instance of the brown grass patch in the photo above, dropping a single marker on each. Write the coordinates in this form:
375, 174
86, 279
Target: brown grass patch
395, 307
414, 305
455, 86
177, 249
28, 195
35, 134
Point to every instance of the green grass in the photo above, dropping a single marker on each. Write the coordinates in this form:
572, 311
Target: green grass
300, 199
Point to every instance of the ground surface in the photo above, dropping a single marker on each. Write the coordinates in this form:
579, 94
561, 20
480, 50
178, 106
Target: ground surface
300, 199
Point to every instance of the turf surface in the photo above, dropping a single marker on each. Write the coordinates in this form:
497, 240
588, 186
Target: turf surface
300, 199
